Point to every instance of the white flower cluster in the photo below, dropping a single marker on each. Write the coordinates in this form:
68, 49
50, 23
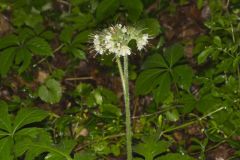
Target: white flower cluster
115, 40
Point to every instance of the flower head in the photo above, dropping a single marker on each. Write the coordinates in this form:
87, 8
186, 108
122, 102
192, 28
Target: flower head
115, 40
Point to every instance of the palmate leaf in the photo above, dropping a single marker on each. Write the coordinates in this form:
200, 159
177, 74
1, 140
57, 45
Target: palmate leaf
33, 147
144, 83
173, 54
27, 116
151, 147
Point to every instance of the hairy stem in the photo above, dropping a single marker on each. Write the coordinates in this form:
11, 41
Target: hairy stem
124, 78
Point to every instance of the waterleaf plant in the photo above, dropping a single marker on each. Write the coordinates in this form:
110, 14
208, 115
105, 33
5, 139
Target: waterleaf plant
115, 40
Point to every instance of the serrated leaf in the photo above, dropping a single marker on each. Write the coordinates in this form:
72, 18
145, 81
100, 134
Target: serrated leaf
134, 8
5, 122
39, 46
78, 53
175, 156
8, 41
27, 116
7, 57
144, 82
51, 91
150, 26
106, 8
174, 53
151, 147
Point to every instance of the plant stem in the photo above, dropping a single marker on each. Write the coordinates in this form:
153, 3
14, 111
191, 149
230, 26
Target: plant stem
124, 79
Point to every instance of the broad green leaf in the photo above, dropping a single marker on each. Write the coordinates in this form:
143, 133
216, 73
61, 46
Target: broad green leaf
39, 46
207, 103
175, 156
184, 75
27, 116
134, 8
204, 55
5, 148
3, 134
5, 122
51, 91
144, 81
29, 132
150, 26
189, 103
163, 89
66, 34
6, 57
8, 41
154, 61
174, 53
33, 146
151, 147
106, 8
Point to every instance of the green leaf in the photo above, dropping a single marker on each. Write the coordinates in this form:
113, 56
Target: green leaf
7, 57
66, 34
85, 156
5, 122
8, 41
106, 8
151, 147
154, 61
78, 53
27, 116
51, 91
163, 89
150, 26
174, 53
172, 115
144, 82
175, 156
23, 58
134, 8
66, 147
183, 76
5, 148
82, 37
204, 55
110, 110
39, 46
217, 41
